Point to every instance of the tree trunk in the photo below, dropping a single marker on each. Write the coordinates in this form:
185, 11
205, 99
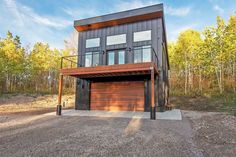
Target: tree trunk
233, 78
186, 79
222, 77
7, 83
200, 80
218, 76
190, 81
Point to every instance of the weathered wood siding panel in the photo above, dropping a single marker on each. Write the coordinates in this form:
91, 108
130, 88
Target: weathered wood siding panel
119, 96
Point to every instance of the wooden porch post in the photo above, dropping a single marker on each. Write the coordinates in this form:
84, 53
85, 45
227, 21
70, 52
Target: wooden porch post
59, 94
153, 107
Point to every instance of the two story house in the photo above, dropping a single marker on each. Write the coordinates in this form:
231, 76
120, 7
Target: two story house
122, 62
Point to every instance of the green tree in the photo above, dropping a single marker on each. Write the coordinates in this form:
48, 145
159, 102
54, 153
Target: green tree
12, 61
187, 54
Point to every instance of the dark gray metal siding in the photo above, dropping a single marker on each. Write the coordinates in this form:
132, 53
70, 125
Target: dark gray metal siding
154, 25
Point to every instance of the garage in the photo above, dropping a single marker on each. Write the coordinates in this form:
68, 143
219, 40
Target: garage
117, 96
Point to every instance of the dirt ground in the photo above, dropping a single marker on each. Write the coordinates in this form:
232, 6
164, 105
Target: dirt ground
27, 129
198, 134
32, 104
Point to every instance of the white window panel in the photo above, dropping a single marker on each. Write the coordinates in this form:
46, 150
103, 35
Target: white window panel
95, 42
116, 39
142, 36
88, 59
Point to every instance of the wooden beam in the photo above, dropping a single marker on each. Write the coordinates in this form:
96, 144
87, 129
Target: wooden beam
153, 106
60, 89
59, 94
152, 87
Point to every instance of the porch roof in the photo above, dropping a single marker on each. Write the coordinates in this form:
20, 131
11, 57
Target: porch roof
110, 70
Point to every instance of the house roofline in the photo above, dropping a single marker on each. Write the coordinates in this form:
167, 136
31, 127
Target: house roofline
118, 18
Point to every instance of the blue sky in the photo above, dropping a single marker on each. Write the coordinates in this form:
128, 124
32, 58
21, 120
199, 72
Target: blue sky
51, 21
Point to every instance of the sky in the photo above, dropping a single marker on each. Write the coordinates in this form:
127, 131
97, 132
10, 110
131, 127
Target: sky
51, 21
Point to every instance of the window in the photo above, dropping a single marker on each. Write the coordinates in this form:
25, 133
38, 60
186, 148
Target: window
138, 55
96, 59
142, 36
88, 59
116, 39
115, 57
95, 42
111, 58
91, 59
147, 56
121, 57
142, 54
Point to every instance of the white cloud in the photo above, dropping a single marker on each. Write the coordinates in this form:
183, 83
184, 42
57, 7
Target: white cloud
22, 12
77, 13
32, 27
47, 21
183, 11
11, 5
127, 5
218, 9
133, 4
174, 32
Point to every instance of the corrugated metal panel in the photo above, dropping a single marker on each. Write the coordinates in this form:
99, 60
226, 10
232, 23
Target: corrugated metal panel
128, 29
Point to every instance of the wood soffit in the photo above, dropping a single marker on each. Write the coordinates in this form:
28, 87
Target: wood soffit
120, 21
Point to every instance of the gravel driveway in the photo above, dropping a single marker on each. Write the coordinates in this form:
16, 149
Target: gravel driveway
45, 135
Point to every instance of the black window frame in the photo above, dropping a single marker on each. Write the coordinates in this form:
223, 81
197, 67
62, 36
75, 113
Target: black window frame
141, 49
116, 56
92, 54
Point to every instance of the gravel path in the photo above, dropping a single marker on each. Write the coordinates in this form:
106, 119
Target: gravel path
46, 135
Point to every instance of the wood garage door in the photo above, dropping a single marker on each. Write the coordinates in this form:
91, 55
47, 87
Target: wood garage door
117, 96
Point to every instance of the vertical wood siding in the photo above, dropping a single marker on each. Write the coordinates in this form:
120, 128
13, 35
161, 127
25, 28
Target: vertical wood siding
117, 96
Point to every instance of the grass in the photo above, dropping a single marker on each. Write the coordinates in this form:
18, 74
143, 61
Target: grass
212, 102
228, 102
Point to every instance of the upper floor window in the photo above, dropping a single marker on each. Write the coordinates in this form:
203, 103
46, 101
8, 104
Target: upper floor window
142, 36
95, 42
111, 58
116, 39
142, 54
121, 57
88, 59
115, 57
91, 59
